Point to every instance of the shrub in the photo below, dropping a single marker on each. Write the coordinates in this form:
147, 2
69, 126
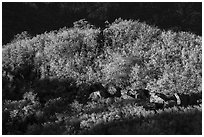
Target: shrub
67, 54
69, 64
166, 61
18, 115
134, 54
23, 35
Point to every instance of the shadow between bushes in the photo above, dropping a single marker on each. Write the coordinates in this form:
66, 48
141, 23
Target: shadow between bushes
54, 88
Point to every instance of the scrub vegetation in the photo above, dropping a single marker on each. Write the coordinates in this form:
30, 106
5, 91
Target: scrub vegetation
88, 80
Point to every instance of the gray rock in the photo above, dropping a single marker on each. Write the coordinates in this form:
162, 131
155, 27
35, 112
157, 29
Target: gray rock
94, 96
156, 99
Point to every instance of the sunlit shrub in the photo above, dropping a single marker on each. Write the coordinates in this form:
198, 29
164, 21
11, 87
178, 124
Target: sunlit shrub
170, 61
65, 66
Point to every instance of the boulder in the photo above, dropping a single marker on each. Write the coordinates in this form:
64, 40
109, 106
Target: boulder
142, 94
166, 97
156, 99
178, 100
94, 96
130, 95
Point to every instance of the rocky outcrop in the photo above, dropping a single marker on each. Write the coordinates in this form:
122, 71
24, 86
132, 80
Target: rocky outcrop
160, 101
109, 92
153, 100
142, 94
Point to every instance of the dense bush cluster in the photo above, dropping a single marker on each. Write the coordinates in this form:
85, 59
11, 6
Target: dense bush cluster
150, 58
47, 79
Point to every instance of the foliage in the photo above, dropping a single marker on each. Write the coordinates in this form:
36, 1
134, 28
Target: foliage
149, 58
172, 121
18, 114
60, 69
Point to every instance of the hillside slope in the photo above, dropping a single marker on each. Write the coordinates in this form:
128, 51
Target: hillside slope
47, 79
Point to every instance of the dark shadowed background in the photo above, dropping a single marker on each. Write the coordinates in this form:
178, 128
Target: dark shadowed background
39, 17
